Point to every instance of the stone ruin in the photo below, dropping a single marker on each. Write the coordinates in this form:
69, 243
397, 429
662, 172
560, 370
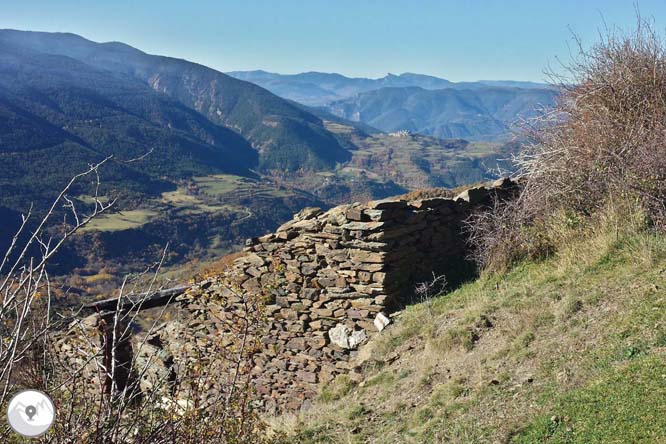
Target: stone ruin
329, 280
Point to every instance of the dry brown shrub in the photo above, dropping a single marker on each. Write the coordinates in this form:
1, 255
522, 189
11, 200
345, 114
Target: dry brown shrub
602, 148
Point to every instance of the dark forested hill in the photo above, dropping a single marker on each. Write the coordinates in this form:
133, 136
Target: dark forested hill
286, 136
59, 115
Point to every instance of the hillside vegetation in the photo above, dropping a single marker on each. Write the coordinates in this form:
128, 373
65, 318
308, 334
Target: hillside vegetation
568, 350
287, 136
563, 337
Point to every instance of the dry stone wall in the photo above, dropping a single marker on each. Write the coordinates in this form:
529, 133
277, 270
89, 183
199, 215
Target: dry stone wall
333, 278
328, 281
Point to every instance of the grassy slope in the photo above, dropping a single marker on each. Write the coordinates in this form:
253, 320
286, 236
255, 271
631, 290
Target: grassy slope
570, 350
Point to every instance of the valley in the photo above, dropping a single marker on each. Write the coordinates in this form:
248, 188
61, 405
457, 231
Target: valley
198, 160
209, 216
230, 226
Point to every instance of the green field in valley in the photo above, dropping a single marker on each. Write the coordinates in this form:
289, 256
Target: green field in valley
121, 220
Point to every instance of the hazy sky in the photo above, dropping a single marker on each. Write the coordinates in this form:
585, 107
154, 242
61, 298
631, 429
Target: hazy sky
457, 40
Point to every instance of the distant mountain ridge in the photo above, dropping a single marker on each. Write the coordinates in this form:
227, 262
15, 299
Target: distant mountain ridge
68, 101
484, 113
319, 89
485, 110
201, 160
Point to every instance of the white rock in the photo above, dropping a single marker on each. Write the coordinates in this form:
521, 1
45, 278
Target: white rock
339, 335
381, 321
345, 337
357, 338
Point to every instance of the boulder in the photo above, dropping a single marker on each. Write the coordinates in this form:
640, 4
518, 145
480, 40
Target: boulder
344, 337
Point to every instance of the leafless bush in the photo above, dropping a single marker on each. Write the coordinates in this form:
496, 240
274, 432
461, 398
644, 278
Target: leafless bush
25, 310
209, 400
602, 148
502, 234
103, 392
427, 290
605, 139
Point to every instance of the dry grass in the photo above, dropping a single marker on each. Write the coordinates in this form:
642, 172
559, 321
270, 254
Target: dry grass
499, 352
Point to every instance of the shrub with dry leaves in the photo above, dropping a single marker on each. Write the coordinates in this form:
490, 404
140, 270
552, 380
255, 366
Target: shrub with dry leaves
601, 149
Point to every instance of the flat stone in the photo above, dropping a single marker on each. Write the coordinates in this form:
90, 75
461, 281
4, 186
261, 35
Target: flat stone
474, 195
324, 312
364, 245
296, 344
370, 257
339, 335
308, 213
266, 238
357, 338
387, 204
369, 266
254, 272
356, 214
381, 321
372, 289
253, 259
363, 226
296, 326
344, 337
376, 215
308, 377
285, 234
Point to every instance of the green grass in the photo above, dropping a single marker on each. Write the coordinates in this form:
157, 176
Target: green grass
180, 198
90, 200
189, 204
580, 337
122, 220
220, 183
624, 406
235, 187
338, 128
421, 162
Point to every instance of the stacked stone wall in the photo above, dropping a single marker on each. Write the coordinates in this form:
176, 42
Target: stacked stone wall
328, 281
333, 278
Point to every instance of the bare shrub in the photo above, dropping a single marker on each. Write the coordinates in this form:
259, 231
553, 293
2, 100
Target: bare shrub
605, 139
103, 391
427, 290
25, 291
133, 397
602, 148
503, 234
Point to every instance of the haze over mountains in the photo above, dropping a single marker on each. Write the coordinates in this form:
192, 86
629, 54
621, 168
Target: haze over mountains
319, 88
484, 110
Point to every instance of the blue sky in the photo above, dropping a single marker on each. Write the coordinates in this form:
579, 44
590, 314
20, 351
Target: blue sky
457, 40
